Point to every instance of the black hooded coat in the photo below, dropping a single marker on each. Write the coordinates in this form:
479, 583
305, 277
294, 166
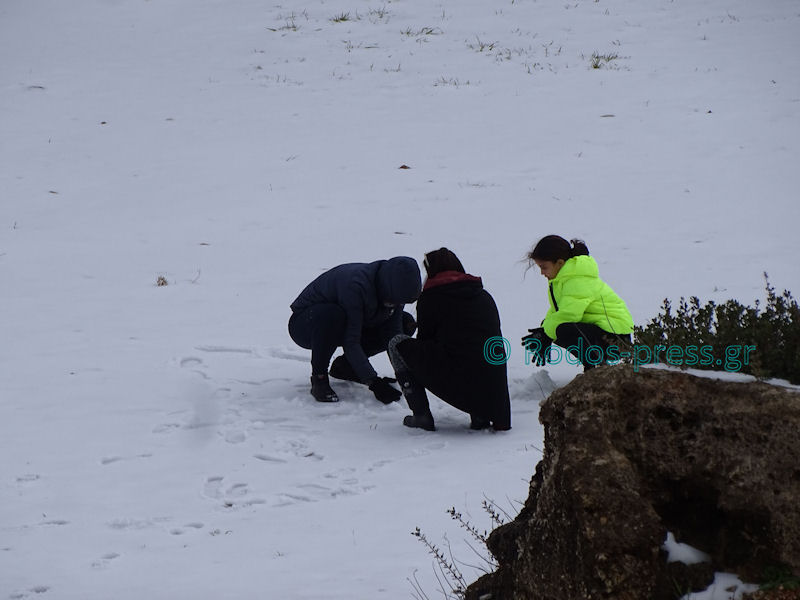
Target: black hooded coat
456, 316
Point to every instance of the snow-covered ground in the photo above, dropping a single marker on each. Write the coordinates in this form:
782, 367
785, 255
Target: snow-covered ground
159, 441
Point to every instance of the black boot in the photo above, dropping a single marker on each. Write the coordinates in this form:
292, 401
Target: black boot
417, 400
415, 394
341, 369
477, 422
420, 421
321, 389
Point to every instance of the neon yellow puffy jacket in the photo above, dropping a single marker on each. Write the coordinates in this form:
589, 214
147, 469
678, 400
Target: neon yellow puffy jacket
578, 295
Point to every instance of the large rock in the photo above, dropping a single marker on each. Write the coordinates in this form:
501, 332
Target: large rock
631, 455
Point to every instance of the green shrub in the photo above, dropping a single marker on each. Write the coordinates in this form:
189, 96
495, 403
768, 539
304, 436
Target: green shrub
771, 332
780, 577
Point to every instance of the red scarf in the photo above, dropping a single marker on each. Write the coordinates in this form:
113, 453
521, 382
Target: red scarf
446, 277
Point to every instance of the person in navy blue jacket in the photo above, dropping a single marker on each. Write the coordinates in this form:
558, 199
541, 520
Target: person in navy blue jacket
358, 306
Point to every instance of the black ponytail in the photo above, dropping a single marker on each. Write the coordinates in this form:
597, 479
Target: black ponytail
553, 248
579, 247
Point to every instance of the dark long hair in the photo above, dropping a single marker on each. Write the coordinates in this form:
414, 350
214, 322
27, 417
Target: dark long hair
553, 248
440, 260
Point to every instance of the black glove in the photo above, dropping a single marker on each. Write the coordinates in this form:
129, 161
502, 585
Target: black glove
383, 391
538, 344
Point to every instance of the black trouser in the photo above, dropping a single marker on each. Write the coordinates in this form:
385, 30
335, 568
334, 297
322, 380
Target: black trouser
321, 327
590, 344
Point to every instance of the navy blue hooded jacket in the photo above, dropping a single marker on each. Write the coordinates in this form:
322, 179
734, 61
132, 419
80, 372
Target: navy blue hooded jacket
361, 289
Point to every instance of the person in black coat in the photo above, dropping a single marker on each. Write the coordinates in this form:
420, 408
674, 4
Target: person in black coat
456, 317
358, 306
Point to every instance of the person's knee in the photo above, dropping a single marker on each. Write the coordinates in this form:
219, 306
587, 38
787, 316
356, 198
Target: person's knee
299, 331
566, 331
393, 351
396, 340
587, 333
318, 324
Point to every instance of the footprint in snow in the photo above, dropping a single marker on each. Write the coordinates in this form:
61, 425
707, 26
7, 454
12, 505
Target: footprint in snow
238, 490
182, 530
108, 460
314, 492
27, 479
213, 487
54, 523
234, 495
227, 349
261, 382
37, 589
380, 463
166, 427
235, 437
428, 448
195, 365
298, 448
268, 458
287, 355
347, 473
191, 361
135, 524
104, 560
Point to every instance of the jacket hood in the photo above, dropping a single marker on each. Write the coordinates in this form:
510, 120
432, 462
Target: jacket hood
399, 280
579, 266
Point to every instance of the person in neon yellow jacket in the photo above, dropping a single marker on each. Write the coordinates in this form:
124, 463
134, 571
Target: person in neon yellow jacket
586, 317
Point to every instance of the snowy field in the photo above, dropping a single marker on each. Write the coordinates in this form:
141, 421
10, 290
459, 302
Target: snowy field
159, 441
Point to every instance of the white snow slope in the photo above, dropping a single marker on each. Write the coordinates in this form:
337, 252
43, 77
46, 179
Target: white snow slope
160, 442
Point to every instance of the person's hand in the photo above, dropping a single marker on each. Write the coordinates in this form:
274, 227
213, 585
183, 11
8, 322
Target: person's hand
538, 344
534, 334
383, 391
